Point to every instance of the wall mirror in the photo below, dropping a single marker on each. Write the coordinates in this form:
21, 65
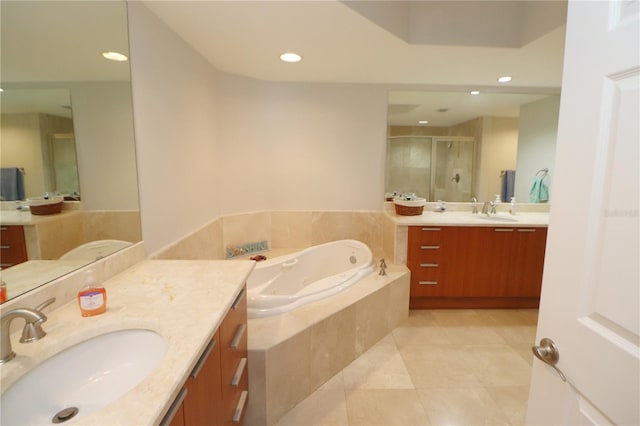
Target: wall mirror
67, 125
452, 146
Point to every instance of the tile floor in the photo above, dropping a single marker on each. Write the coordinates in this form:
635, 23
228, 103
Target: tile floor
440, 367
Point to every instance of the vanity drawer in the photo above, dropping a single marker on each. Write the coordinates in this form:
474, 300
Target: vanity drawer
425, 235
13, 248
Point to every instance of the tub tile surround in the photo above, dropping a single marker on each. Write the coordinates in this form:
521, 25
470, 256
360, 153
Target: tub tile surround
287, 230
190, 295
436, 377
315, 341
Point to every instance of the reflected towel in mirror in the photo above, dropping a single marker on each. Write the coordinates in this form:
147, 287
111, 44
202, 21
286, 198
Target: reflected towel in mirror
11, 184
539, 192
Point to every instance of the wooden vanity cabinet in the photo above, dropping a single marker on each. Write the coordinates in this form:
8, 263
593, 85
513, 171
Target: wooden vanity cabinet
216, 391
475, 267
13, 248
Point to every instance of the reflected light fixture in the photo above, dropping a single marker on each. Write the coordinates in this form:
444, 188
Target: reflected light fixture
423, 122
504, 79
290, 57
475, 92
115, 56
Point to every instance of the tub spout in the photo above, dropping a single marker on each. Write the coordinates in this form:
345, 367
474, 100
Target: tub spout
383, 268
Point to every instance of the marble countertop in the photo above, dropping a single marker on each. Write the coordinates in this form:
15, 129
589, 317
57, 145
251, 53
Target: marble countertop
24, 217
466, 218
182, 300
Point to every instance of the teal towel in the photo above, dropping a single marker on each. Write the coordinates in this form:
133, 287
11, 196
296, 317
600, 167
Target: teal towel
539, 190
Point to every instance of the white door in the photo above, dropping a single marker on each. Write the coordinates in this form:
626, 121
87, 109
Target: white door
590, 294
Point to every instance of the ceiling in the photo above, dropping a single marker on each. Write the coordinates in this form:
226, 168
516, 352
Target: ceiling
444, 46
459, 43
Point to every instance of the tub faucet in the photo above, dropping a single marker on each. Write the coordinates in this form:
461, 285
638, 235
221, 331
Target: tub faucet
32, 329
383, 268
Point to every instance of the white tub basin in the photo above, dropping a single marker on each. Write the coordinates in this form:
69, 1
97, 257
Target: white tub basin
87, 376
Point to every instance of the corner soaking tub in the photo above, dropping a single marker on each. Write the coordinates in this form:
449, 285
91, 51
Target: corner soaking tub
286, 282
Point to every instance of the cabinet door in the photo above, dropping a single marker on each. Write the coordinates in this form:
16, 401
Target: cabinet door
203, 403
527, 262
13, 248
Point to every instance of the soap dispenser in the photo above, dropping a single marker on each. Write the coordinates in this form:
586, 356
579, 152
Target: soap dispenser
92, 298
512, 207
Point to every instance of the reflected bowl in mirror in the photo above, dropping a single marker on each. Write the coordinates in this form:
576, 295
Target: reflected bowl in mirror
45, 205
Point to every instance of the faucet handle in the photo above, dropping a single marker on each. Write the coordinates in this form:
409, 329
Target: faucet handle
33, 331
45, 304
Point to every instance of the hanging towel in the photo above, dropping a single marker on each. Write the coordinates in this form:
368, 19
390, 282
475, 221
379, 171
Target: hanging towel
508, 184
539, 190
11, 184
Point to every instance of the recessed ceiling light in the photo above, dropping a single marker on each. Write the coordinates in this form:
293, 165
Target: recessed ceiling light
423, 122
1, 90
114, 56
504, 79
290, 57
475, 92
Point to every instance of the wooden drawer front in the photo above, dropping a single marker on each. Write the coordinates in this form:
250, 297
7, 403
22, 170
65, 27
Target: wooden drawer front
425, 235
13, 249
203, 403
234, 366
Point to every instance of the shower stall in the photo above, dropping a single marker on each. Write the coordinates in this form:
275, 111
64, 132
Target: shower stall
433, 167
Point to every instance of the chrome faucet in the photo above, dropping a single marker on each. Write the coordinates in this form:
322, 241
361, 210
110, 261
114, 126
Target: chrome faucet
31, 332
486, 210
383, 268
475, 205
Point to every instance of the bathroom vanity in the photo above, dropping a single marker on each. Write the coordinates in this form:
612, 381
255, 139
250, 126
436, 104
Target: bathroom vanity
197, 307
463, 260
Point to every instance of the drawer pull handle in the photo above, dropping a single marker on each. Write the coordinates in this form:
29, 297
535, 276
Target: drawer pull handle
428, 282
428, 265
237, 415
5, 246
430, 247
503, 229
203, 359
175, 407
526, 230
238, 375
236, 302
3, 228
235, 343
430, 229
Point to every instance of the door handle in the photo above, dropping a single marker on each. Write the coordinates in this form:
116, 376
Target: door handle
548, 353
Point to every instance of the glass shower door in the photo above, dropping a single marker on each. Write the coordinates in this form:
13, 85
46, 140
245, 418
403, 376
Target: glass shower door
452, 171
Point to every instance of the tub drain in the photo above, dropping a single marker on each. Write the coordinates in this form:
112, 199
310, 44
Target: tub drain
65, 415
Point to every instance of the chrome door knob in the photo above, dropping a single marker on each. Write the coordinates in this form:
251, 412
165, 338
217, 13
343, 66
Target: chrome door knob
548, 353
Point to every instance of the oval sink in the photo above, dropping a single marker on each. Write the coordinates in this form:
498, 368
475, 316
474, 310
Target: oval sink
496, 218
86, 377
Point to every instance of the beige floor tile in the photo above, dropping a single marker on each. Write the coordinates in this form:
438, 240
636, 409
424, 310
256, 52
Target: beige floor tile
419, 318
498, 365
462, 317
429, 335
517, 334
473, 335
381, 367
513, 316
465, 406
321, 408
336, 382
524, 350
512, 401
385, 407
439, 366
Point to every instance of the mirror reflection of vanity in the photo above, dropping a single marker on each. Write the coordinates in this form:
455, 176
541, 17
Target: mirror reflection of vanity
62, 101
468, 143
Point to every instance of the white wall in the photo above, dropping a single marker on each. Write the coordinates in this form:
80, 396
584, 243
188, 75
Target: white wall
174, 114
300, 146
536, 143
105, 145
498, 151
211, 143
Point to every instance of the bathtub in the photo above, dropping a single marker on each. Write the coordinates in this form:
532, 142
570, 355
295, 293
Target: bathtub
287, 282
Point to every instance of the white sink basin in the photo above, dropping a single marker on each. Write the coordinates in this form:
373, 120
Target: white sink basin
87, 376
506, 218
